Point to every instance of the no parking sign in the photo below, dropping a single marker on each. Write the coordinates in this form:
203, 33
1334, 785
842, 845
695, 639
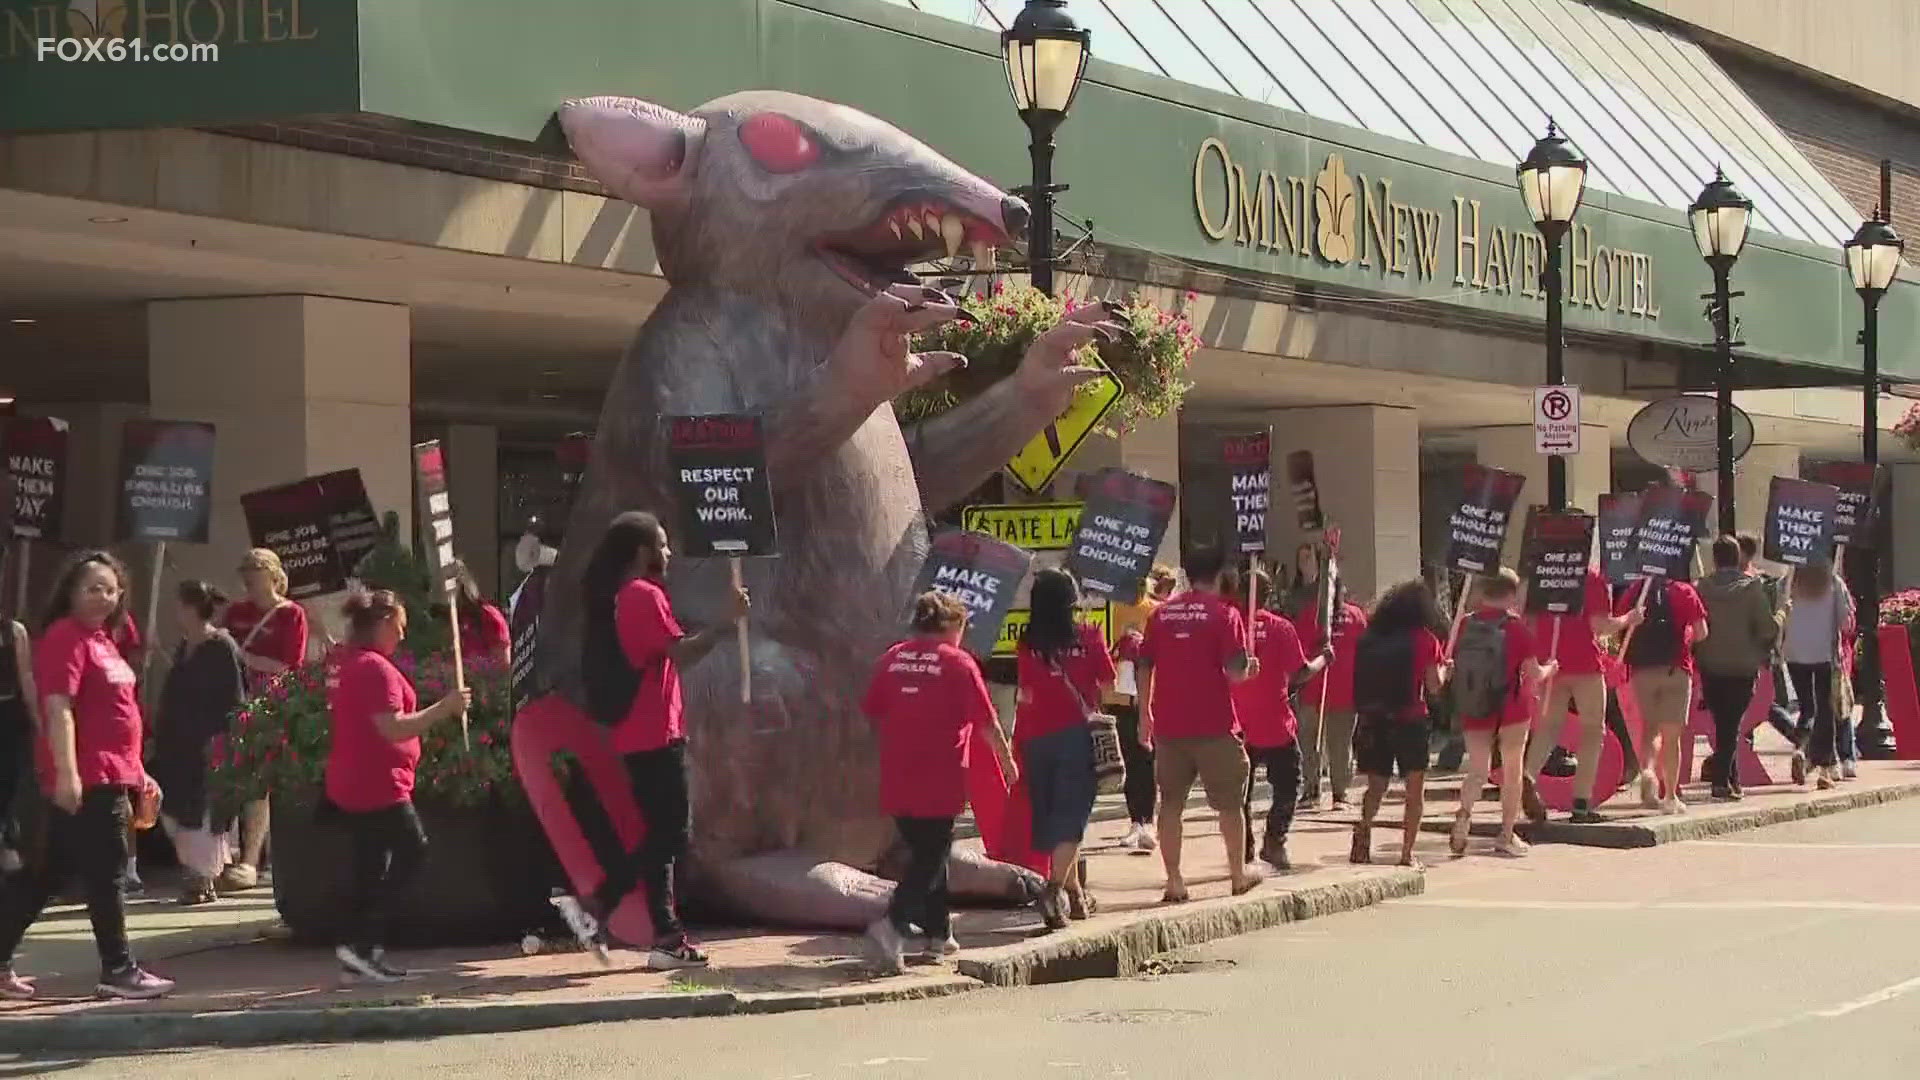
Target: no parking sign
1556, 420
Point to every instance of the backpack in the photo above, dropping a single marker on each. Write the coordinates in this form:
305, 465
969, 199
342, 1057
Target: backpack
1383, 674
1481, 671
1657, 641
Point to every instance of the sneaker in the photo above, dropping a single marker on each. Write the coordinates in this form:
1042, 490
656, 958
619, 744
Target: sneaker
586, 929
1736, 792
13, 987
1561, 763
378, 958
939, 948
1146, 842
1530, 802
1341, 805
1673, 804
883, 941
133, 888
1722, 794
680, 954
238, 877
1799, 768
1512, 847
357, 965
1649, 790
1585, 815
132, 983
1273, 852
1849, 771
1132, 839
10, 862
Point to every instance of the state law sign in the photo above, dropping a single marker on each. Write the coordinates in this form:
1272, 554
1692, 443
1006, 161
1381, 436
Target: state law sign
1556, 420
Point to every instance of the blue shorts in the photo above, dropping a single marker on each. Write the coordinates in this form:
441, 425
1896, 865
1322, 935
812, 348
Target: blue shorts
1061, 785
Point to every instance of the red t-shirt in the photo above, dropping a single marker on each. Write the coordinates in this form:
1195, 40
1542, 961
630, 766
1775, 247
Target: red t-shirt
1045, 704
924, 701
1520, 648
1578, 650
281, 636
1687, 609
1189, 641
1262, 702
648, 631
1351, 620
127, 639
483, 631
1427, 650
365, 769
85, 667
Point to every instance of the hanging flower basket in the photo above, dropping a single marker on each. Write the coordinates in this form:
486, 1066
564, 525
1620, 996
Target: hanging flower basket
1908, 429
1151, 366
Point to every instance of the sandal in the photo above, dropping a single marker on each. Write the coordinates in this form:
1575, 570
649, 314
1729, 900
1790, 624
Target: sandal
1175, 894
1457, 839
1362, 850
1081, 905
1412, 862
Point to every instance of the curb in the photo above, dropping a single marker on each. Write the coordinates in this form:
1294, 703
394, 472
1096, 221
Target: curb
1118, 951
1652, 832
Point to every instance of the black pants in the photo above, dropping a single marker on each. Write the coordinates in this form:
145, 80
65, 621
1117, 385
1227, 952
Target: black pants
921, 897
1813, 683
389, 848
16, 756
1282, 764
91, 844
659, 779
1617, 723
1727, 698
1141, 798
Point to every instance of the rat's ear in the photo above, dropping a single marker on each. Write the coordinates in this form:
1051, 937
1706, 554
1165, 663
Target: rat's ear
642, 152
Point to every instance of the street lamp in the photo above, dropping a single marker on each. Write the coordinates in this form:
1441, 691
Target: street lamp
1873, 257
1551, 181
1720, 217
1045, 54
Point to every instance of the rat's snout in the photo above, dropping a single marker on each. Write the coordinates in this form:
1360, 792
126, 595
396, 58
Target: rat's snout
1014, 215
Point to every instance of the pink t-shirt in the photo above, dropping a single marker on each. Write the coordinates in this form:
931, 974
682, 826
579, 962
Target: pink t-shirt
924, 700
1045, 704
365, 769
648, 631
1189, 641
1266, 713
1578, 650
85, 667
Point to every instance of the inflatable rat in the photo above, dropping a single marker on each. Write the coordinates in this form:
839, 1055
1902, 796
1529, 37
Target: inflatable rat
785, 226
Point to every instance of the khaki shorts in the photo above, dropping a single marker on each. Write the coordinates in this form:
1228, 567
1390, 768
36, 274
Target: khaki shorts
1219, 762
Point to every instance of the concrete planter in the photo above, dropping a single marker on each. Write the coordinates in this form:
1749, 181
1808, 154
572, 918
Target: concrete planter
1899, 663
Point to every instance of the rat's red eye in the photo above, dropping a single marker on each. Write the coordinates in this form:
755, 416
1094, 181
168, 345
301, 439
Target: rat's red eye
778, 143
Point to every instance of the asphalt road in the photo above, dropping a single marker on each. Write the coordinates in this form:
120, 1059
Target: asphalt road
1786, 952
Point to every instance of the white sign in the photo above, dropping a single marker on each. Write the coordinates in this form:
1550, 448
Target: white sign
1556, 420
1682, 432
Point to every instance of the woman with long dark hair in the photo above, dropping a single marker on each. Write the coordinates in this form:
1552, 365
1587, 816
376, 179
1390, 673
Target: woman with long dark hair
1063, 667
88, 754
1397, 665
376, 723
204, 686
631, 659
484, 636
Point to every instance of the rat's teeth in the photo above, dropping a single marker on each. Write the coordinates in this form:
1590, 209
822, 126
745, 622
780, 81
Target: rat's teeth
933, 222
895, 226
913, 226
982, 254
953, 231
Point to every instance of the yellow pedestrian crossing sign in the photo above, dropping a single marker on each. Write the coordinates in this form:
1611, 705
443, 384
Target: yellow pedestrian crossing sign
1040, 460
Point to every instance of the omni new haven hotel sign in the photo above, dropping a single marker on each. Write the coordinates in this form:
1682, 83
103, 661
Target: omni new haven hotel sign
1376, 227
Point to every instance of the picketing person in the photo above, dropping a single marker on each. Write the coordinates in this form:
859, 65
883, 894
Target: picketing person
1495, 666
631, 657
203, 687
375, 723
272, 633
1398, 664
1659, 660
484, 637
925, 700
1129, 621
1326, 701
1264, 706
1195, 648
1819, 623
1742, 632
1579, 684
87, 756
1063, 665
1779, 717
17, 725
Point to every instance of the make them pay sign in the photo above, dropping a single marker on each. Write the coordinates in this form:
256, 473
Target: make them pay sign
1036, 527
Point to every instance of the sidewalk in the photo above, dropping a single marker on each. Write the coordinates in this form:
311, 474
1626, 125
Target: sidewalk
238, 986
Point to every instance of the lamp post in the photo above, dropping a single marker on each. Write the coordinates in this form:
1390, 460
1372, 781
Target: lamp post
1873, 257
1551, 180
1045, 54
1720, 217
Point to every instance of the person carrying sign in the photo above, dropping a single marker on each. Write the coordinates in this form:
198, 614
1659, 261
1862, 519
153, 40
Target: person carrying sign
1659, 659
1494, 660
1578, 685
272, 633
1740, 647
1327, 715
1265, 708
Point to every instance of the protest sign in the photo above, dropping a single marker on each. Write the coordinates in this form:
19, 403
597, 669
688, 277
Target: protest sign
166, 481
1306, 491
719, 471
1858, 508
1119, 533
351, 523
1619, 519
1554, 553
1669, 522
36, 453
980, 572
1477, 529
1249, 460
1801, 515
436, 511
320, 527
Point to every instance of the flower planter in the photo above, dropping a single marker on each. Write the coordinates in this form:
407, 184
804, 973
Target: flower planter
1898, 667
487, 877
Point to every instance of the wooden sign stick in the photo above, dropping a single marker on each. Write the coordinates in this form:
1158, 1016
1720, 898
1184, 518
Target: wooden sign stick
459, 665
1639, 604
746, 657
